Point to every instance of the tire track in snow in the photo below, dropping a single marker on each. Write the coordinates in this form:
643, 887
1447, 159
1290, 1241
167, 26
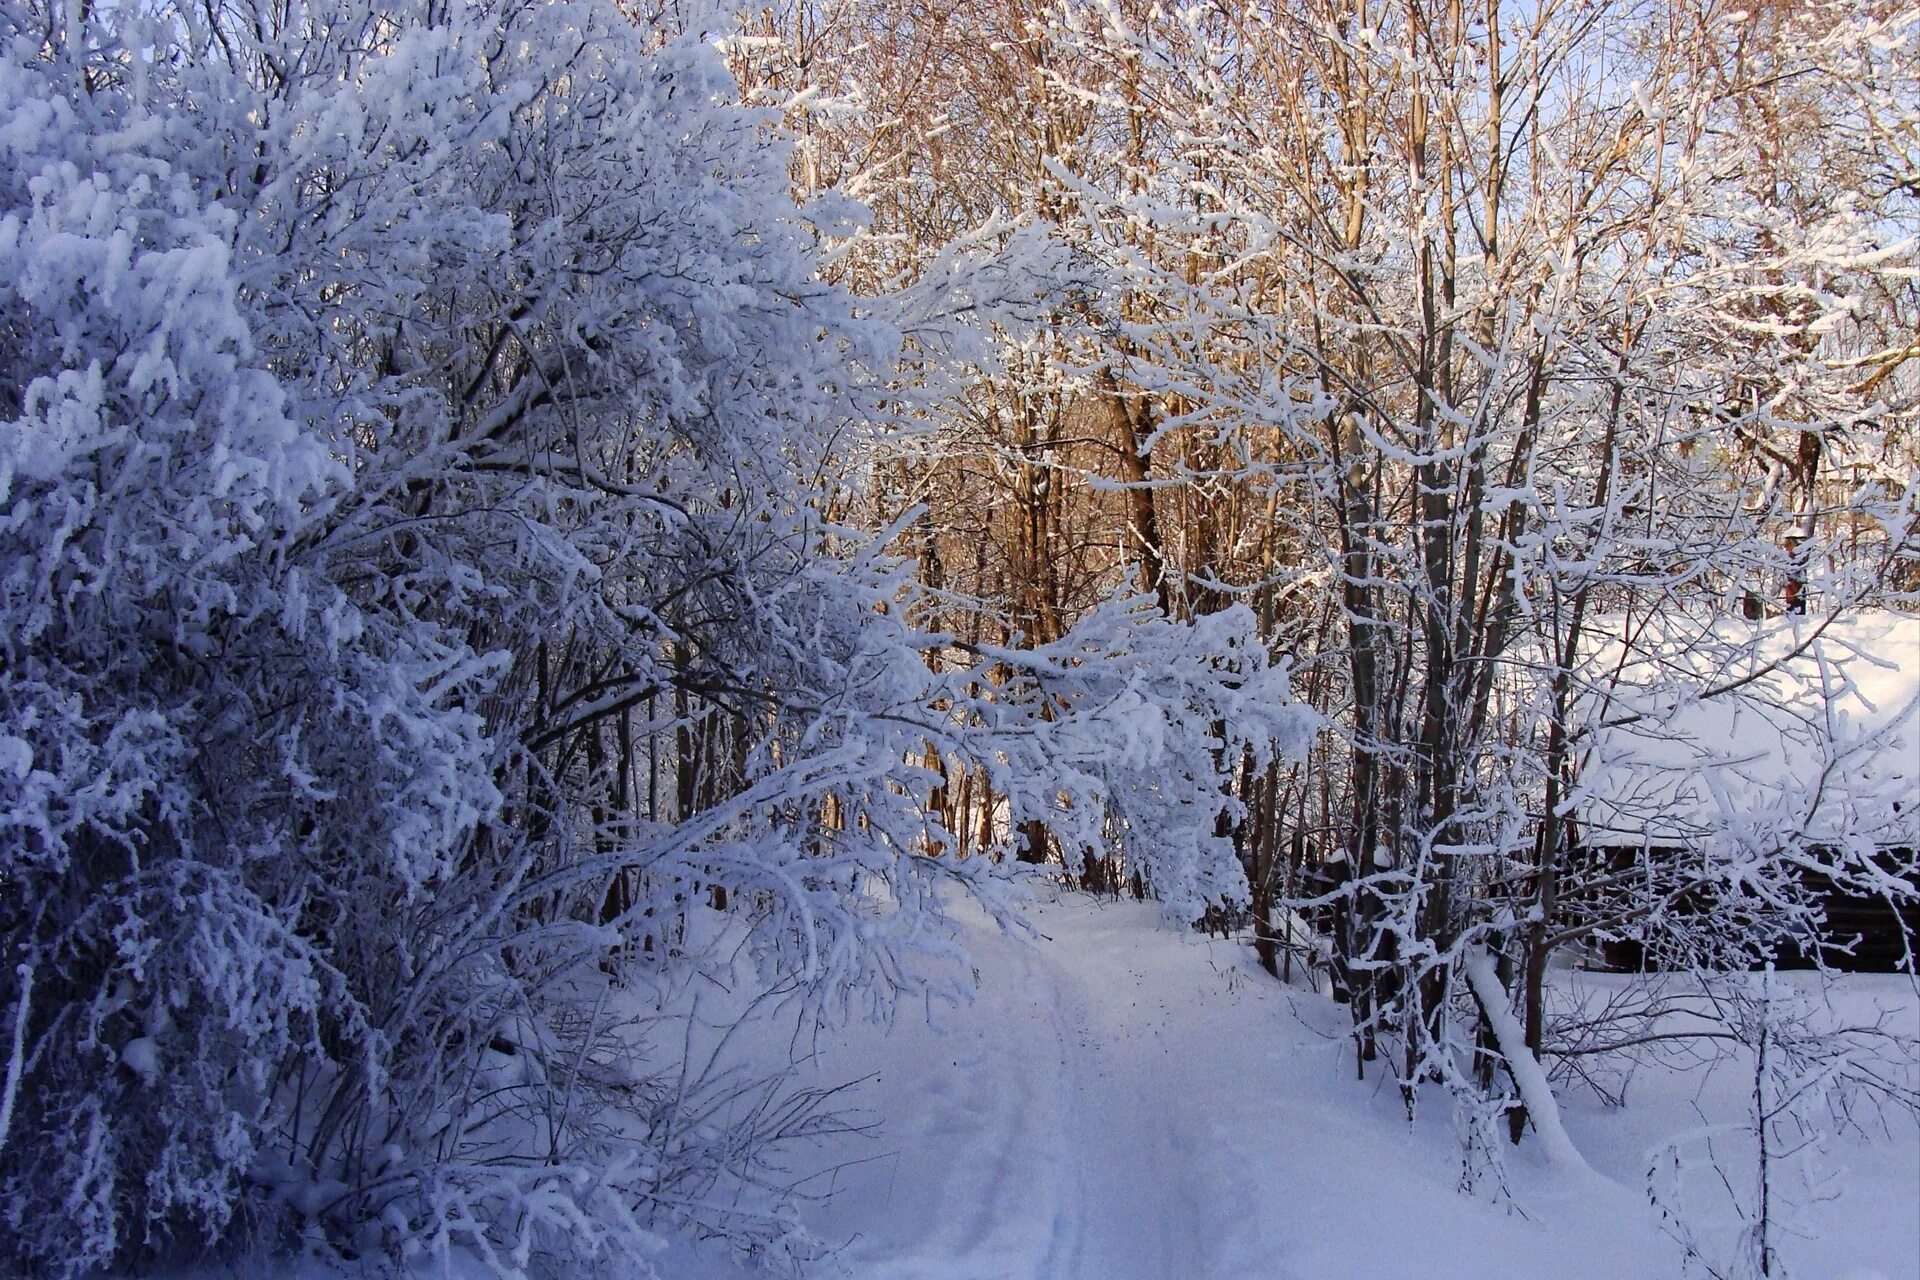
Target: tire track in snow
1145, 1202
991, 1181
1068, 1125
1068, 1237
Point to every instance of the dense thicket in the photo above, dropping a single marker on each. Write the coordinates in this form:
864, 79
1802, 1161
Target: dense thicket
427, 643
515, 516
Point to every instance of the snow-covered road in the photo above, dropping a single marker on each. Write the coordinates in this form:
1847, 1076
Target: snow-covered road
1125, 1101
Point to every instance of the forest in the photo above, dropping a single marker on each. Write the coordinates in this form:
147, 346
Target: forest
575, 574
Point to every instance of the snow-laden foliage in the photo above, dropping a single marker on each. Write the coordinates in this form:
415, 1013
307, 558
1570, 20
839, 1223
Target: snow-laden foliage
416, 424
1151, 713
215, 761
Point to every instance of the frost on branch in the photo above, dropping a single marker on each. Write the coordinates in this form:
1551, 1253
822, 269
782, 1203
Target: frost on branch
1150, 718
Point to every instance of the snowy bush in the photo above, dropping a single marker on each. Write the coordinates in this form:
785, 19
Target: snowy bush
215, 763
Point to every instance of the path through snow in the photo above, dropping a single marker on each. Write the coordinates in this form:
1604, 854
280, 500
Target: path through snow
1125, 1101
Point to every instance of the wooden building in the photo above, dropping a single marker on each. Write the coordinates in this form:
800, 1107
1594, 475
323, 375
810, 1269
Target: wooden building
1710, 743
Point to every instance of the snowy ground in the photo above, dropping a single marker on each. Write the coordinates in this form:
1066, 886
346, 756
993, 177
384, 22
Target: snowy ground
1126, 1101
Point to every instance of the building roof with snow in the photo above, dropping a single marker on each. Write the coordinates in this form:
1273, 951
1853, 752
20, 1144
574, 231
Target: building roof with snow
1793, 727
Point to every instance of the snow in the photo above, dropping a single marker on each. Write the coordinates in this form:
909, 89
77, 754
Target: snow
141, 1057
1860, 1221
1542, 1110
16, 1053
1128, 1101
358, 549
1809, 724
